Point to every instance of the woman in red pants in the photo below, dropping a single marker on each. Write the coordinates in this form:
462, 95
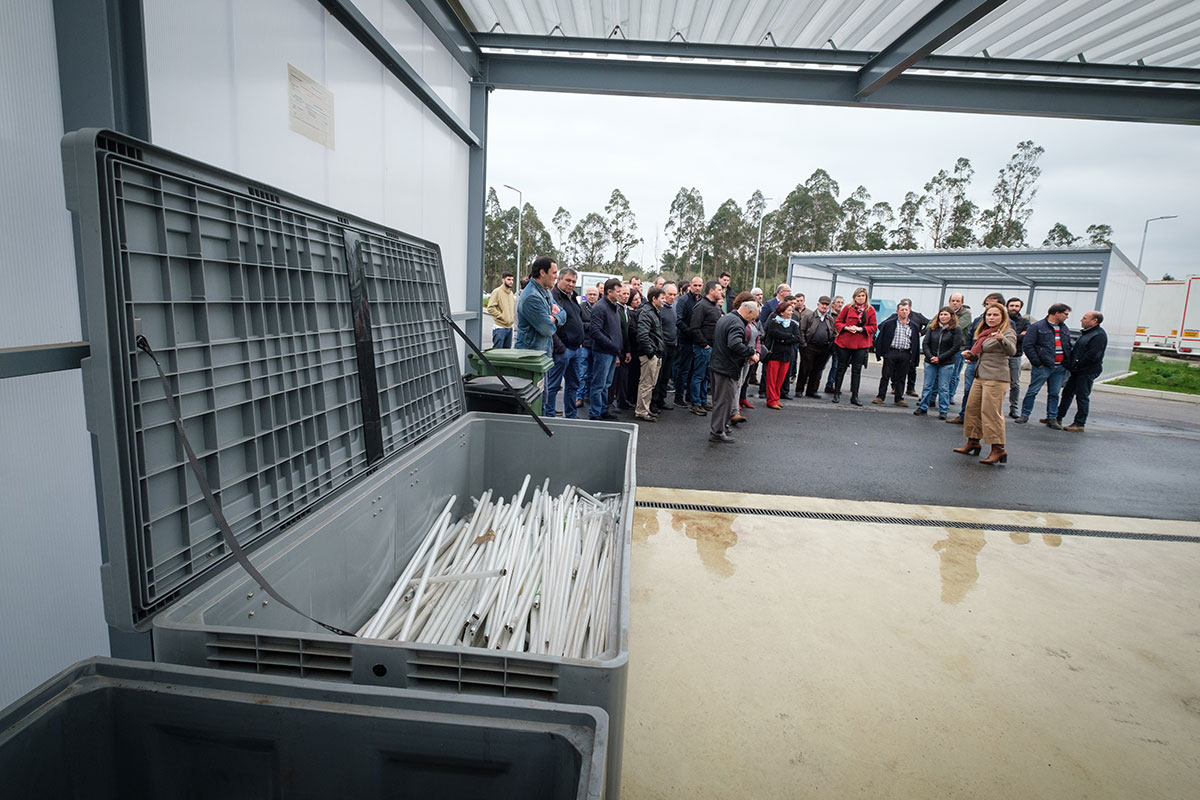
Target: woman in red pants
783, 336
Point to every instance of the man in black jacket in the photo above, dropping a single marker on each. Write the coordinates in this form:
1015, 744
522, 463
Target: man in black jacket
702, 328
923, 323
650, 350
1020, 324
570, 335
670, 334
897, 343
729, 351
1086, 364
683, 350
605, 327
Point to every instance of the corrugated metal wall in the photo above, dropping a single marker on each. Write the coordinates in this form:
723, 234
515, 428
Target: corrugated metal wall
51, 608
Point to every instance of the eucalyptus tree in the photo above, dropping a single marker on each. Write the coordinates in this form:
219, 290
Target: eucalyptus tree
1100, 235
880, 220
852, 229
822, 213
963, 212
1059, 236
622, 228
908, 222
588, 243
726, 237
685, 231
562, 223
1015, 189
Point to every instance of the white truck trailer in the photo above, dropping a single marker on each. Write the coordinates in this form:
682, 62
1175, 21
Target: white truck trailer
1170, 317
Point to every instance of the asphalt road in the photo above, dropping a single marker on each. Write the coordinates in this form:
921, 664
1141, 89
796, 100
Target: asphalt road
1139, 457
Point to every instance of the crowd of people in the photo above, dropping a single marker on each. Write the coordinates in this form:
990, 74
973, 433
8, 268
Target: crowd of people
620, 347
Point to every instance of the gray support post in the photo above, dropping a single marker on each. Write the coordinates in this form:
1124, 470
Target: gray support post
476, 201
1103, 281
102, 83
942, 300
833, 287
1029, 302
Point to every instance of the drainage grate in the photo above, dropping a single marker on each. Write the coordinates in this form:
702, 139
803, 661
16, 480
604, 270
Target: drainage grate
919, 523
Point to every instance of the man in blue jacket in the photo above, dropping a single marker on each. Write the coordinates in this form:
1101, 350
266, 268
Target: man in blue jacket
605, 329
538, 316
1048, 348
1086, 364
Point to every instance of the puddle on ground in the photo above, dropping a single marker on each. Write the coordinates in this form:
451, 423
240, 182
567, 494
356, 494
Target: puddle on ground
713, 534
959, 553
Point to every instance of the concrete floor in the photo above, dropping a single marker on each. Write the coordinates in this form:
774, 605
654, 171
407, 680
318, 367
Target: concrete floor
776, 658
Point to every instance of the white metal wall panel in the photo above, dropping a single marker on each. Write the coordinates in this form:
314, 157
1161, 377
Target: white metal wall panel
51, 606
1121, 306
392, 160
39, 301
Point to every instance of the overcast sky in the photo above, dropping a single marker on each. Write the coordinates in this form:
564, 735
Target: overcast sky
573, 150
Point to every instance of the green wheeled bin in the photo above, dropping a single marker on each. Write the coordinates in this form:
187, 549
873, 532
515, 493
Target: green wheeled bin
513, 363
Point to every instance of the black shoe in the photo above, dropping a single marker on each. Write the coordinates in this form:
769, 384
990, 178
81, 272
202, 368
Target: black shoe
837, 397
723, 438
1054, 425
854, 401
1013, 413
1021, 420
813, 396
783, 396
679, 401
911, 393
829, 390
920, 412
941, 415
665, 406
608, 416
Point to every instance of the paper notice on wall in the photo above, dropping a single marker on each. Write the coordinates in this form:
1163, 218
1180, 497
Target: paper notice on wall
310, 108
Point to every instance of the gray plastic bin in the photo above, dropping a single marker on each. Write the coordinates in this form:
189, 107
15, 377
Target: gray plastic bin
321, 389
107, 729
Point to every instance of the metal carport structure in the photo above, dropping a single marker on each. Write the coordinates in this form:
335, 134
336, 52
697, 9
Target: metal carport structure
1096, 277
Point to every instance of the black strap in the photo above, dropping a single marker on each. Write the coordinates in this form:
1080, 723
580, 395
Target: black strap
364, 346
213, 505
492, 367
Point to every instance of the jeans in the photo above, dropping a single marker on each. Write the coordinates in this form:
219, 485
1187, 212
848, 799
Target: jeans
958, 362
1053, 378
937, 381
968, 379
1014, 382
564, 367
501, 337
602, 368
683, 371
697, 393
1078, 388
583, 360
833, 362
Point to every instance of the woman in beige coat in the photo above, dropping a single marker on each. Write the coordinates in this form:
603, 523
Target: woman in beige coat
995, 341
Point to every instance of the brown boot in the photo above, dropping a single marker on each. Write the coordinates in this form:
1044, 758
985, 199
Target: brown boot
971, 448
998, 455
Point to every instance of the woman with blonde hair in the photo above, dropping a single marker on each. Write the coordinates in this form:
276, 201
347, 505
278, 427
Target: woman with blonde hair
995, 341
855, 326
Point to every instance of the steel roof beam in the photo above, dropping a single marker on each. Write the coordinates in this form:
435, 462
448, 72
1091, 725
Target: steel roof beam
835, 87
856, 59
449, 30
948, 19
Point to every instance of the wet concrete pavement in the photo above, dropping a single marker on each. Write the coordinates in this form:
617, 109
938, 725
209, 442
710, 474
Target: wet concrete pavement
775, 658
1139, 457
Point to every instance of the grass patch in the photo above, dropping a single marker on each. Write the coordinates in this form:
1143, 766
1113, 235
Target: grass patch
1161, 376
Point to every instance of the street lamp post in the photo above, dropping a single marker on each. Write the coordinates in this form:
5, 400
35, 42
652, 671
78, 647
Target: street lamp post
759, 244
520, 216
1145, 229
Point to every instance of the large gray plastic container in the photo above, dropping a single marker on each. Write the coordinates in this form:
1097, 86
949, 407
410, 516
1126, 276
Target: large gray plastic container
107, 729
321, 390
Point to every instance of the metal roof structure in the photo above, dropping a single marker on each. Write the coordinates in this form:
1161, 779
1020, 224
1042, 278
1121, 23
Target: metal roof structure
1099, 59
1047, 267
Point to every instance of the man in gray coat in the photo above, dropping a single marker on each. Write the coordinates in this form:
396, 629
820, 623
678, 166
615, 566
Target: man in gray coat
730, 352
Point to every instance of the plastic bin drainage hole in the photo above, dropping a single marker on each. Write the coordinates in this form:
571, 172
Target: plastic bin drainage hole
380, 670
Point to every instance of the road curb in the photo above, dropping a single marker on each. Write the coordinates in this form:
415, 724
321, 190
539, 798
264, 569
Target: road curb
1178, 397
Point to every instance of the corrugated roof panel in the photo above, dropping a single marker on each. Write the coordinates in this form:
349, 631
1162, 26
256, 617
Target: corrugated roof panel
1105, 31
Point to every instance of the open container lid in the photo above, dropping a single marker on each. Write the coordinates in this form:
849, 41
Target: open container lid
304, 346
